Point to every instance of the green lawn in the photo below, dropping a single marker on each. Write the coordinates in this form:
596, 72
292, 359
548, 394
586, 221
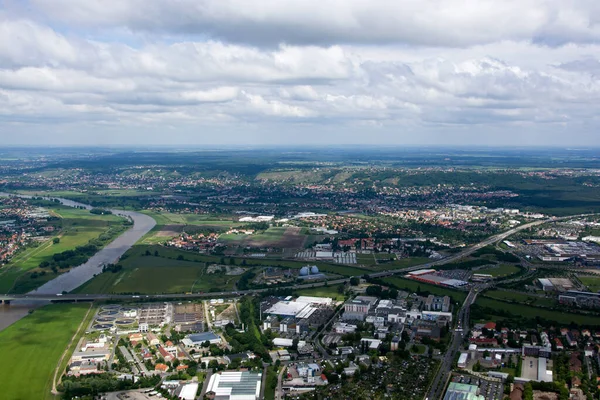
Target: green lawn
78, 227
522, 298
365, 259
592, 282
526, 311
499, 271
31, 348
150, 274
403, 263
322, 291
167, 218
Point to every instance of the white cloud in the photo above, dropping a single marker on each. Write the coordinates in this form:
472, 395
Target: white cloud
350, 67
419, 22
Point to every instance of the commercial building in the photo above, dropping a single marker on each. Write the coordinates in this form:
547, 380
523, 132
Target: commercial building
356, 309
581, 299
302, 307
556, 284
437, 303
461, 391
430, 276
196, 339
462, 360
234, 385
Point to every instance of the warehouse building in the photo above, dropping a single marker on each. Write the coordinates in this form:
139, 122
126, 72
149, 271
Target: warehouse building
234, 385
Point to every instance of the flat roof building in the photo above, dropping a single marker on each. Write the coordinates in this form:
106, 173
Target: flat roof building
235, 385
461, 391
197, 339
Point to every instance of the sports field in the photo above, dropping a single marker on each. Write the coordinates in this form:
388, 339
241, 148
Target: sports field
31, 348
78, 227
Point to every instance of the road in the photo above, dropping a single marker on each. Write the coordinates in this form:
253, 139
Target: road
439, 381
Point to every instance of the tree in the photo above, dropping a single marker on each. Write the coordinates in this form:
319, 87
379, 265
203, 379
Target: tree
56, 240
354, 281
528, 391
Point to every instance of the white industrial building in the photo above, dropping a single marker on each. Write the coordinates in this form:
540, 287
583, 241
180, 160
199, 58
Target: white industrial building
235, 385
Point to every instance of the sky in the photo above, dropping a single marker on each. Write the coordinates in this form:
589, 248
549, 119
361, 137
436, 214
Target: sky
378, 72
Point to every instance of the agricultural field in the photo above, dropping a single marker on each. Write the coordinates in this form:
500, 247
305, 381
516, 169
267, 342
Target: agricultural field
290, 237
531, 313
78, 227
592, 282
31, 348
500, 270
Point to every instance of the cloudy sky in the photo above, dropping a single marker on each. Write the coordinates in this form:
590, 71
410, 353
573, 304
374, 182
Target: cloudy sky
464, 72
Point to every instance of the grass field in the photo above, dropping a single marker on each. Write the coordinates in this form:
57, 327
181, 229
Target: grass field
290, 237
166, 274
592, 282
78, 227
413, 286
169, 225
31, 348
522, 298
149, 274
166, 218
525, 311
500, 270
323, 291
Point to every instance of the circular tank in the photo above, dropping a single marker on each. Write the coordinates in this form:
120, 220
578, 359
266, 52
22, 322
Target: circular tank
314, 270
304, 271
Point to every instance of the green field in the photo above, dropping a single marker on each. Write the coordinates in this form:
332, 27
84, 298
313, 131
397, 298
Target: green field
169, 225
167, 274
500, 270
414, 286
365, 259
279, 237
78, 227
592, 282
522, 298
149, 274
322, 291
529, 312
31, 348
403, 263
167, 218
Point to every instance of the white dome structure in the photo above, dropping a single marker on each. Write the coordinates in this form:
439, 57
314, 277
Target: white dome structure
314, 270
304, 271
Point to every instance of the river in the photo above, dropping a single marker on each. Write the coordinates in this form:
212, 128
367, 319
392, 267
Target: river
79, 275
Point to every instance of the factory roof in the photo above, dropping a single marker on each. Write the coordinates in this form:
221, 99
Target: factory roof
235, 385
